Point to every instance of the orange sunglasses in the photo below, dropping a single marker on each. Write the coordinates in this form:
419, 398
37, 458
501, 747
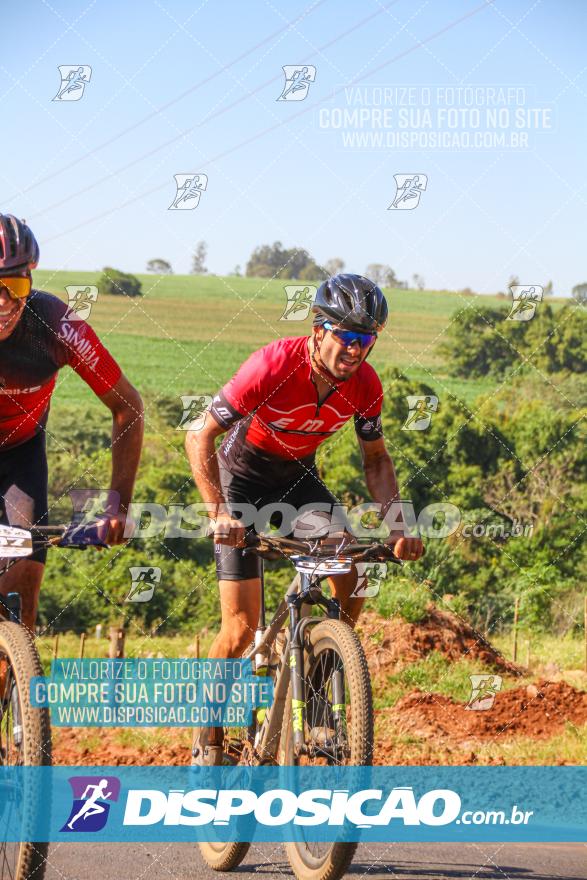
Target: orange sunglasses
17, 287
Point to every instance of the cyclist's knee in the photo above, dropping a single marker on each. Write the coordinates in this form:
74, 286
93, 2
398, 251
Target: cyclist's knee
236, 634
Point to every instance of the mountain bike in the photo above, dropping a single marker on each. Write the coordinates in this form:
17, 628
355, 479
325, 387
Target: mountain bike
322, 710
25, 731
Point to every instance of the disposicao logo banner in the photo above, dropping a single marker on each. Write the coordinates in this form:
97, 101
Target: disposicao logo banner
384, 804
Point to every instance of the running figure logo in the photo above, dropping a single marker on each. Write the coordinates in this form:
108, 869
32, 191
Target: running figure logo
483, 691
297, 82
409, 188
299, 301
189, 188
90, 808
74, 79
195, 407
421, 408
525, 299
370, 578
93, 505
81, 299
144, 579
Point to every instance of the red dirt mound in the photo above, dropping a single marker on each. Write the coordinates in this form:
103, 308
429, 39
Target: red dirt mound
391, 644
69, 748
538, 711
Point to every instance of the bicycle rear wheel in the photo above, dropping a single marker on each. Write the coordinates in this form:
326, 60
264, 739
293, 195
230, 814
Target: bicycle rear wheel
25, 740
337, 734
239, 745
227, 855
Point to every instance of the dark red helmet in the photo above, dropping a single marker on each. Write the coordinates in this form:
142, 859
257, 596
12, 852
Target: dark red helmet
351, 301
19, 250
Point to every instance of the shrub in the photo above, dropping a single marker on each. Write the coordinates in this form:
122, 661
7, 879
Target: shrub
118, 283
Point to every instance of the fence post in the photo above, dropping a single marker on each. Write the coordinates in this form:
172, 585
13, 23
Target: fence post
56, 647
515, 632
197, 646
82, 643
585, 628
116, 648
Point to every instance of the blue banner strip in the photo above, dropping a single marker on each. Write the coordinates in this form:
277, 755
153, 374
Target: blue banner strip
378, 804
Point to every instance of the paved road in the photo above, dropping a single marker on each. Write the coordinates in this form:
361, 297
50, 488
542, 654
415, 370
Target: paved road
401, 861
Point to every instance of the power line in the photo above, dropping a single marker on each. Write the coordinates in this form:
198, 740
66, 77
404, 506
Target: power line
163, 107
281, 123
208, 118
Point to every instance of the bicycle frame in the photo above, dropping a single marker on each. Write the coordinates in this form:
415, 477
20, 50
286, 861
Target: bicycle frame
304, 591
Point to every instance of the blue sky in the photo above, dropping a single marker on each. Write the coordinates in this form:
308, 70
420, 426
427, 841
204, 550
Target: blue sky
274, 172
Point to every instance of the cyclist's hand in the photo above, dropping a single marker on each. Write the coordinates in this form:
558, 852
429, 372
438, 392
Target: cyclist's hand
228, 530
118, 529
409, 549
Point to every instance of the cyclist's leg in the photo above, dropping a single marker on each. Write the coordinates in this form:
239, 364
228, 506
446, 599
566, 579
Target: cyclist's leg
23, 489
240, 603
25, 577
342, 587
239, 583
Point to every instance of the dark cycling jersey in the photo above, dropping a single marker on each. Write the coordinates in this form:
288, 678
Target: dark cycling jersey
47, 337
271, 405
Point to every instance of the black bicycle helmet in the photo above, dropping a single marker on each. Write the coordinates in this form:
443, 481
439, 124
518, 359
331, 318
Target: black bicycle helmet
19, 250
352, 302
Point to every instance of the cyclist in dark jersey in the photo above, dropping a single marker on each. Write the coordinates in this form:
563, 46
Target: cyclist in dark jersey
283, 402
38, 336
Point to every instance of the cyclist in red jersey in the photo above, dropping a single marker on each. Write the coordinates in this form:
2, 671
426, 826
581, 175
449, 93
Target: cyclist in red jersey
283, 402
39, 335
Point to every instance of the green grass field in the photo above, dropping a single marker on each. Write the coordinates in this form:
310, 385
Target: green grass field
188, 334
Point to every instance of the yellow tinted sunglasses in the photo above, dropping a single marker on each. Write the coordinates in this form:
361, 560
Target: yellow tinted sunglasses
17, 287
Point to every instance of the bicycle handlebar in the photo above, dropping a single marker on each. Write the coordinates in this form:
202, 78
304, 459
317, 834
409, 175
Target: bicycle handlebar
277, 547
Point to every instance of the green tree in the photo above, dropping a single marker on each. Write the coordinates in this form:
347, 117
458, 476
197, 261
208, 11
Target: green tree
334, 266
199, 259
477, 342
275, 261
118, 283
159, 267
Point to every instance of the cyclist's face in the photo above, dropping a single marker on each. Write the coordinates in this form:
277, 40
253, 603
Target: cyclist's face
342, 361
10, 312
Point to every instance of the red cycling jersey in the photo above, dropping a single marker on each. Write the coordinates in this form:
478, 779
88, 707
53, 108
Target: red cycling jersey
274, 401
47, 337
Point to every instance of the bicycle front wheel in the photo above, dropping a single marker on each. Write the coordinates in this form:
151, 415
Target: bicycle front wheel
25, 740
338, 731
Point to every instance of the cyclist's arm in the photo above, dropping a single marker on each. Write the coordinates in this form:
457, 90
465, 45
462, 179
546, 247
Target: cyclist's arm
237, 400
201, 452
383, 488
379, 472
79, 346
126, 406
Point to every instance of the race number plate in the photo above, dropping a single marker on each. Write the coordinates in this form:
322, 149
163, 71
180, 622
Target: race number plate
15, 542
311, 565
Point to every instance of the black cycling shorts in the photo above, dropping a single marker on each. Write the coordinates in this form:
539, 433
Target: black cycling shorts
23, 486
258, 490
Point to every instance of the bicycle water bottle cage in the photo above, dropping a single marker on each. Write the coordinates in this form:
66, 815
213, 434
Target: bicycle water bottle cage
322, 567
